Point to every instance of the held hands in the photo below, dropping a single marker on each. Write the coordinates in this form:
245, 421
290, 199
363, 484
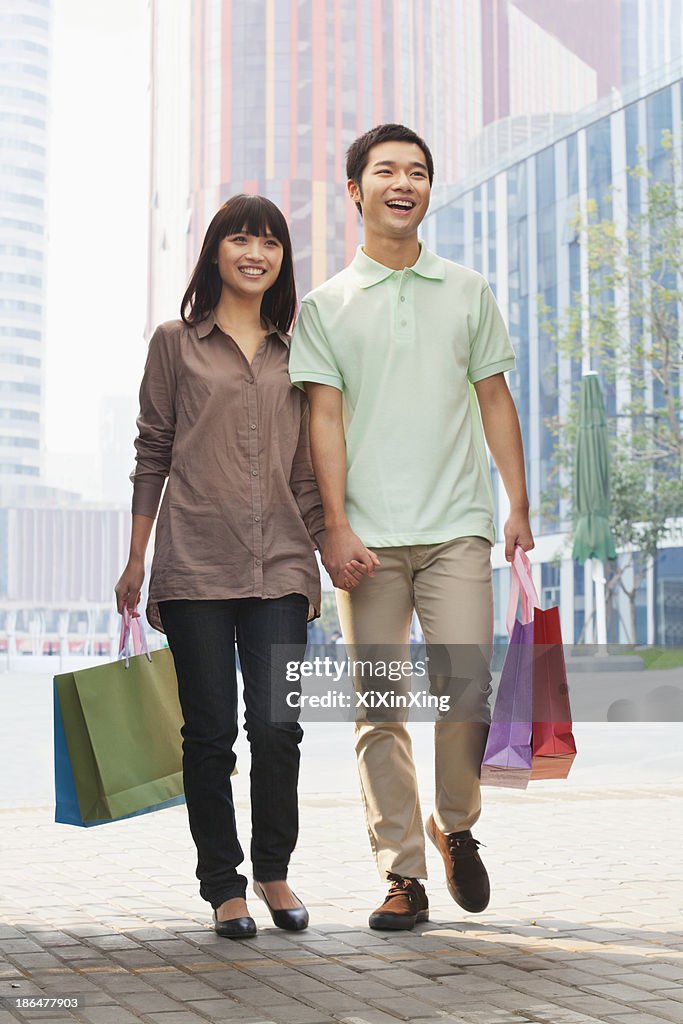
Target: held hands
128, 588
346, 558
518, 531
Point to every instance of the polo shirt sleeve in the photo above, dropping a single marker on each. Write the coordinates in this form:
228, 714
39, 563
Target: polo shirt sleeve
310, 355
490, 349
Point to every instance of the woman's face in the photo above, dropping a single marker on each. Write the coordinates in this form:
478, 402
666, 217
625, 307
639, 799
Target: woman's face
249, 264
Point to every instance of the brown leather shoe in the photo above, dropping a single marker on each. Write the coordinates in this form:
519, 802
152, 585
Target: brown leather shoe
466, 877
405, 906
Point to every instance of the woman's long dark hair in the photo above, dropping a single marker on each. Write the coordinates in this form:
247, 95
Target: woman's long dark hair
257, 216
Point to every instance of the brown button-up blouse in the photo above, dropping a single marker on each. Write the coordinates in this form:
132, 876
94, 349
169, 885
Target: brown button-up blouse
241, 508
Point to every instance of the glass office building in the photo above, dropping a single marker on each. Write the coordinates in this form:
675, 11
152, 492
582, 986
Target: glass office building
514, 224
24, 74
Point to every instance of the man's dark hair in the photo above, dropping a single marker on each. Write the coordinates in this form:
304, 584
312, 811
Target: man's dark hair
357, 154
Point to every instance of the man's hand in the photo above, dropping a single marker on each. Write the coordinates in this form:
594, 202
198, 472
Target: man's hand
346, 558
517, 531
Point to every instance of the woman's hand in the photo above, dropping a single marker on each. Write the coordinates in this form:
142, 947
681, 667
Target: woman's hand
354, 572
346, 558
128, 588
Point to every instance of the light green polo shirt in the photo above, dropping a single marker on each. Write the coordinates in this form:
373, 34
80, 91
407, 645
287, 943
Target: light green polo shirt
405, 347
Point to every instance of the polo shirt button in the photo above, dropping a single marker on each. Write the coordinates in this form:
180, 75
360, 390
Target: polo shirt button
254, 472
253, 426
258, 561
249, 380
257, 519
403, 298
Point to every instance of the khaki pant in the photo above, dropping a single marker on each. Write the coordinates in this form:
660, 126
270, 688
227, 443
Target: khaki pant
449, 587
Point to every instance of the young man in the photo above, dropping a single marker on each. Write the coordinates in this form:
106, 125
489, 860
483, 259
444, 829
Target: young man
400, 353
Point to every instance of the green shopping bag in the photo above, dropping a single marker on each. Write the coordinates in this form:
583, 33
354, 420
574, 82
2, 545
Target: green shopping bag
122, 726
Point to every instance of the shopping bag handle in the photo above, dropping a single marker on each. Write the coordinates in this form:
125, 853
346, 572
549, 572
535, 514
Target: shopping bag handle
521, 583
130, 627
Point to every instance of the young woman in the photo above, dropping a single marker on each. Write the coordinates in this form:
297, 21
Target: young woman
233, 554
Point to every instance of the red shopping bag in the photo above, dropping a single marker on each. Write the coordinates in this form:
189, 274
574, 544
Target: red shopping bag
552, 742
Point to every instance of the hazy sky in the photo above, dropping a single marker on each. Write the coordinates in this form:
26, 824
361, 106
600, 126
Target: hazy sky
97, 225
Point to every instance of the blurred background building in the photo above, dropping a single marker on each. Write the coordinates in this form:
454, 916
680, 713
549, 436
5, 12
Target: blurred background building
527, 105
58, 557
267, 97
516, 227
24, 107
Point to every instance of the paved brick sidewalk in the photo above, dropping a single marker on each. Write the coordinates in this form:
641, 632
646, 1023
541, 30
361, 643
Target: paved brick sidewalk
585, 923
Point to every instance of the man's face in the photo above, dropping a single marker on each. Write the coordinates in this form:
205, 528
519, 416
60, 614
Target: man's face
395, 189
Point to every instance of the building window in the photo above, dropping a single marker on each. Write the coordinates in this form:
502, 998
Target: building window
18, 470
550, 585
669, 597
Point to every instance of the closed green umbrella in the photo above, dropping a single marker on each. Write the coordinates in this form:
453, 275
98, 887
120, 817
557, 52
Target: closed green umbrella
592, 535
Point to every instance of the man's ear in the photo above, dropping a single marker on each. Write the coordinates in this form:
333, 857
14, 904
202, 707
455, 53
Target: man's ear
354, 191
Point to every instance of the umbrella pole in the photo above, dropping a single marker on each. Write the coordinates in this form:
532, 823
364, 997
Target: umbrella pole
589, 627
598, 575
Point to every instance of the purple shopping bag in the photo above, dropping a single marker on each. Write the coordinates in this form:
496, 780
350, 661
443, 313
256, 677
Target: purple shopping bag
507, 757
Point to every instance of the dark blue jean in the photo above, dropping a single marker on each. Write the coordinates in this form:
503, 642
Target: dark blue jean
201, 635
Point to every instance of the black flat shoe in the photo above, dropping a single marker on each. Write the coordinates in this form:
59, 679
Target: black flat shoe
235, 927
294, 920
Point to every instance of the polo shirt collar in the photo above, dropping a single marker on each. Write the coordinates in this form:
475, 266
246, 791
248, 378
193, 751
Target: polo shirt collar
370, 272
204, 328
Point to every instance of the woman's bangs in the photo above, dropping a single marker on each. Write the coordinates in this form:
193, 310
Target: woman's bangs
252, 213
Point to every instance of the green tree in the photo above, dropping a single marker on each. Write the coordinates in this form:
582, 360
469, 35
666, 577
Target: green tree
630, 321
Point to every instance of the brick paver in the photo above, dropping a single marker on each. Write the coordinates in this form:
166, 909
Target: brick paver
585, 923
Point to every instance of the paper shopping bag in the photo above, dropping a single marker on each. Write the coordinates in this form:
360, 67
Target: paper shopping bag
530, 736
117, 739
507, 757
553, 745
67, 810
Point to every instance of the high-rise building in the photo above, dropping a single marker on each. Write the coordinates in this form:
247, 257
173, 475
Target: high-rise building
588, 29
24, 76
547, 60
267, 96
620, 41
543, 59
